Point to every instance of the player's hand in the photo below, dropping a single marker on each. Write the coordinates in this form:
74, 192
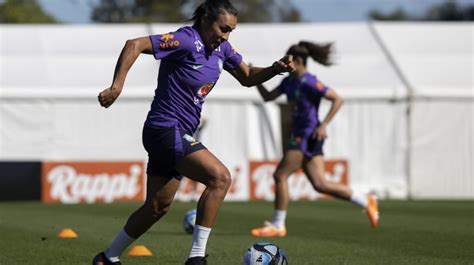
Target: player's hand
285, 64
320, 133
108, 96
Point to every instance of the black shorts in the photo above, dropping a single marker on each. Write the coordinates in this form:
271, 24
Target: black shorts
309, 146
166, 146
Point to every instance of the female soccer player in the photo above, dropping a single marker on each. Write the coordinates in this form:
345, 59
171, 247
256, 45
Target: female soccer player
304, 93
192, 59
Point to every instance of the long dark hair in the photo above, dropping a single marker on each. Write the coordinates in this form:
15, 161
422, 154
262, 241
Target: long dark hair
319, 52
212, 8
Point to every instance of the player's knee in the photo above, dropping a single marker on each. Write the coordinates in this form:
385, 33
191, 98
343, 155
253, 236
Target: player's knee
321, 185
279, 177
221, 179
158, 208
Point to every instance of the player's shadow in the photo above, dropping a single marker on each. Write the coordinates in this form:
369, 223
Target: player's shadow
180, 233
176, 233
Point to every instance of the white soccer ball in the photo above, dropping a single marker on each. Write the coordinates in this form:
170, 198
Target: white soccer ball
189, 221
264, 253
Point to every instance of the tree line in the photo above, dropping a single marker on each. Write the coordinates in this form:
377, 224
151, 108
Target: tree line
257, 11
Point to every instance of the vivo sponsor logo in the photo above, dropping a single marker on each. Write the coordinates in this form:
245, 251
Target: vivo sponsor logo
70, 186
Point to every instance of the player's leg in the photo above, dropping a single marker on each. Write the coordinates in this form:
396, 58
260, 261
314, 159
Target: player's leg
163, 145
314, 170
160, 194
291, 161
202, 166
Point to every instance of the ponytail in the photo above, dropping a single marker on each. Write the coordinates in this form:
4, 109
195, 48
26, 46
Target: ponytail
318, 52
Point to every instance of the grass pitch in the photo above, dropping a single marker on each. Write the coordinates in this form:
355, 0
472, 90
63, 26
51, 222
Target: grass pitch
323, 232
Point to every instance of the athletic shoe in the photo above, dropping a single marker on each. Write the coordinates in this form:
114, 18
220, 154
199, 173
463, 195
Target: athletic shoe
196, 261
373, 210
268, 230
101, 259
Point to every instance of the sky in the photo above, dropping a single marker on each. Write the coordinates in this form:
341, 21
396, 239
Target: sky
78, 11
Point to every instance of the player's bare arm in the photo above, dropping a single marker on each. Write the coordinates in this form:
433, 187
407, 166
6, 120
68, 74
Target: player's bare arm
250, 76
269, 95
336, 103
129, 54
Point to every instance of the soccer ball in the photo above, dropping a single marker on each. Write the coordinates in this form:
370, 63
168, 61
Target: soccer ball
264, 253
189, 221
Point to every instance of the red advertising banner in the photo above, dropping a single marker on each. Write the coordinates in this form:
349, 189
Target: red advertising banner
92, 182
262, 184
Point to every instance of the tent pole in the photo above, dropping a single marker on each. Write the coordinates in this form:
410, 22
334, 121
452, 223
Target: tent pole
409, 101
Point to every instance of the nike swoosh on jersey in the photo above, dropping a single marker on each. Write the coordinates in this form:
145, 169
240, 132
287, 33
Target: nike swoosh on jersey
196, 67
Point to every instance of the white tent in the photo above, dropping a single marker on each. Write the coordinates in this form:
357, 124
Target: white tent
50, 77
439, 71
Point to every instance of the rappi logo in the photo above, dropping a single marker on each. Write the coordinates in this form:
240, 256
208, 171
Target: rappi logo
168, 41
91, 182
262, 185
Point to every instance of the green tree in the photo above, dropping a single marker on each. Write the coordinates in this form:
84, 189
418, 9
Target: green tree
450, 11
398, 14
23, 11
446, 11
258, 11
290, 15
133, 11
149, 11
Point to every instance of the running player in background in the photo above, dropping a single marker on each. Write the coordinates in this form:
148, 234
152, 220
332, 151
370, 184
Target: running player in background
304, 93
192, 59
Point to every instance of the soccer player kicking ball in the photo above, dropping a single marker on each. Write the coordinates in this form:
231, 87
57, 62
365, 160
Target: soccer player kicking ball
192, 59
304, 93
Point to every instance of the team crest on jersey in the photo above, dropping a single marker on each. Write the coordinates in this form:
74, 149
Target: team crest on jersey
167, 37
168, 41
205, 89
297, 93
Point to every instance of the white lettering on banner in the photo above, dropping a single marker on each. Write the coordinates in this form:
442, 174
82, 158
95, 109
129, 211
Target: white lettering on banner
190, 190
339, 169
68, 186
263, 179
299, 187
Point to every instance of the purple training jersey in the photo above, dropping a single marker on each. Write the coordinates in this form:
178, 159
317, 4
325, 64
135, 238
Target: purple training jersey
187, 74
304, 94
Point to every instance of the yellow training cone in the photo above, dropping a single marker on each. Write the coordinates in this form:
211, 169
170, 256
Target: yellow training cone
139, 251
67, 233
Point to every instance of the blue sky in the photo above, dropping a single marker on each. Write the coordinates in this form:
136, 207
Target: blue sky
77, 11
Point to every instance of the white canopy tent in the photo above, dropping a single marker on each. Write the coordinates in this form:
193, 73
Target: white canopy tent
439, 70
50, 77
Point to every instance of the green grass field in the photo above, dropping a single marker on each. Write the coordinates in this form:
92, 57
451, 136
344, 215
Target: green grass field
325, 232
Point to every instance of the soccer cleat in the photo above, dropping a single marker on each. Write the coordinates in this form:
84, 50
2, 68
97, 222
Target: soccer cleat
101, 259
373, 210
196, 261
268, 230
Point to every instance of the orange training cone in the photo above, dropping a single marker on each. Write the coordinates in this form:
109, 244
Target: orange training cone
139, 251
67, 233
